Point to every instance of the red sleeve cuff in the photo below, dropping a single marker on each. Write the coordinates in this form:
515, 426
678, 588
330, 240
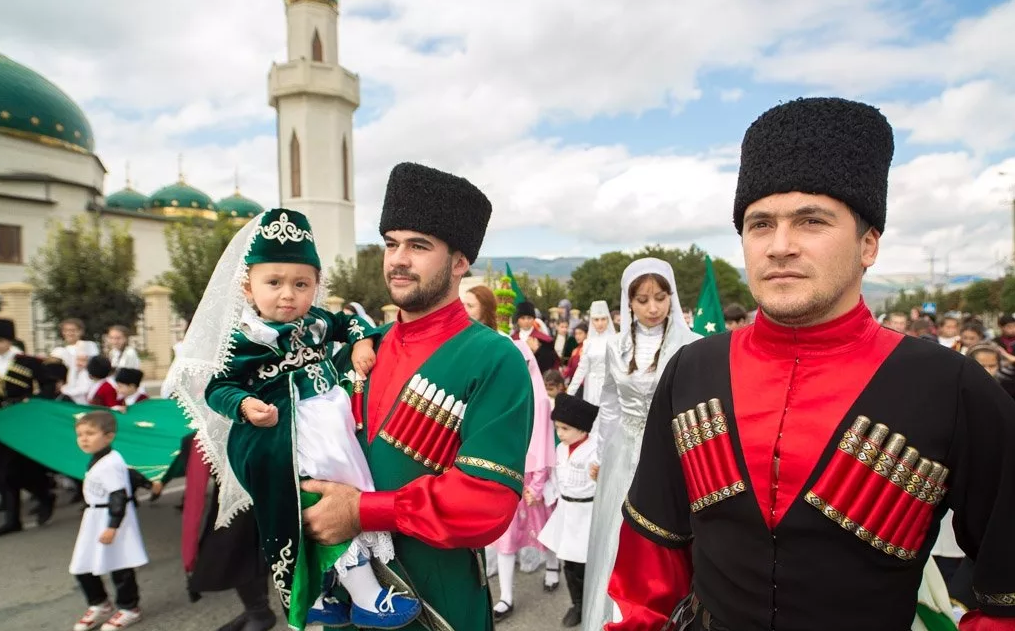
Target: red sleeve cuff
377, 511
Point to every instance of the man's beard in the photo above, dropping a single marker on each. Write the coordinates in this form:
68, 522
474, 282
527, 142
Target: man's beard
425, 296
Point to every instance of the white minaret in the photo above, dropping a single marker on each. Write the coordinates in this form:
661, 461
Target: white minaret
315, 98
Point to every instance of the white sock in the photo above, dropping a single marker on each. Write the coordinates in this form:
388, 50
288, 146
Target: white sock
362, 586
506, 571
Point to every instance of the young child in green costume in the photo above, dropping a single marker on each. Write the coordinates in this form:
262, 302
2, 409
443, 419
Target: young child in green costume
256, 375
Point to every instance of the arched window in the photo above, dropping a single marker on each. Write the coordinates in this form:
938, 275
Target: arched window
345, 170
294, 167
316, 48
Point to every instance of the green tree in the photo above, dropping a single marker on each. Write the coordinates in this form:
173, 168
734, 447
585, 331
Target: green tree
598, 279
983, 296
544, 293
1007, 299
194, 248
364, 282
86, 272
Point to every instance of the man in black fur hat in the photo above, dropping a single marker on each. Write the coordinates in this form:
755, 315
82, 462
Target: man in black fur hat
449, 470
804, 462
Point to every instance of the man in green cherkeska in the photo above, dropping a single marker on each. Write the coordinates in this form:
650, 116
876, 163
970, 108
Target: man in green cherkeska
446, 413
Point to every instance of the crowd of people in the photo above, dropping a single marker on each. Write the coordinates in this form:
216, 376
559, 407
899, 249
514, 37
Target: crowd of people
790, 475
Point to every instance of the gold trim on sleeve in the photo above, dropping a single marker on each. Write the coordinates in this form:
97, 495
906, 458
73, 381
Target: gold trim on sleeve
649, 526
995, 600
490, 466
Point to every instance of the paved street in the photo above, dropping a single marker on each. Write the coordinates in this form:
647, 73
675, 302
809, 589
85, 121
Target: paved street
37, 593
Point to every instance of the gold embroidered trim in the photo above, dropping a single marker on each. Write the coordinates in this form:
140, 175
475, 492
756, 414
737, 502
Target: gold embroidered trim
697, 426
724, 493
861, 533
409, 451
649, 526
995, 600
490, 466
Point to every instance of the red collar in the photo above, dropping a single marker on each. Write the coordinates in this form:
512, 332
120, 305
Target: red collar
452, 317
573, 446
846, 333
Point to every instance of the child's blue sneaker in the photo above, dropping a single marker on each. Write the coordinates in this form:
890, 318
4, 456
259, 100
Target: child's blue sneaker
333, 614
394, 610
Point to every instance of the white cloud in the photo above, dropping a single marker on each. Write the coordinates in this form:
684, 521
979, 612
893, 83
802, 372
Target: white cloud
974, 47
731, 96
465, 83
976, 114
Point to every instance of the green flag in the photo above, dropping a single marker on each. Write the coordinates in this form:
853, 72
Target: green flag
708, 318
519, 296
147, 435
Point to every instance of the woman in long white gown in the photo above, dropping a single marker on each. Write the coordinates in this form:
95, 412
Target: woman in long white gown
648, 339
592, 366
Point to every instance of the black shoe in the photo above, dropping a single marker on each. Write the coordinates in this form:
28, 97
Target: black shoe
551, 587
503, 615
573, 617
8, 528
259, 620
45, 512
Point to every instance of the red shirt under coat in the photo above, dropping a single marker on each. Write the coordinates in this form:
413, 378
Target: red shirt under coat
452, 510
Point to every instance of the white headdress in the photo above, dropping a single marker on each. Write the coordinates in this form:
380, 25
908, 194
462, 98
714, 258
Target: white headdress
205, 352
634, 271
600, 309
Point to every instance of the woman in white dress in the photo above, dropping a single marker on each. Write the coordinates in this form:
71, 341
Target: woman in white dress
592, 365
649, 337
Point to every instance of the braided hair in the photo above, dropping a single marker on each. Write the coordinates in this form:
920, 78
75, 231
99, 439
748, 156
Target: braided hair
632, 290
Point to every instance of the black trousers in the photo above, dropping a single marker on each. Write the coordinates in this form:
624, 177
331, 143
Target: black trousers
124, 581
574, 575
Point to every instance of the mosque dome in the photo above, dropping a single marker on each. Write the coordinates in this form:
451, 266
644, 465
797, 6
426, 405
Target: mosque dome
237, 205
33, 108
179, 195
126, 199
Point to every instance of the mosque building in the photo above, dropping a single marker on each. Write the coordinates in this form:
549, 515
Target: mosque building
49, 169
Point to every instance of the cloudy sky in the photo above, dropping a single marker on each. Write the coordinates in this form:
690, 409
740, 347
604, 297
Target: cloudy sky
592, 124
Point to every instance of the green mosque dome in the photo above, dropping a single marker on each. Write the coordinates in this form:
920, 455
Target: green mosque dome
237, 205
179, 196
33, 108
126, 199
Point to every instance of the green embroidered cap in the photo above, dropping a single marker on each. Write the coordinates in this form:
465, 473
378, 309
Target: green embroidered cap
283, 236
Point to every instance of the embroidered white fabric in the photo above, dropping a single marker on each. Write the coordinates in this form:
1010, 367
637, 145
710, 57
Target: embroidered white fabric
366, 544
205, 352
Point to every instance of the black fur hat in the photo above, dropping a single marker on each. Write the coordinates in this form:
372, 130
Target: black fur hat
826, 146
578, 413
525, 309
436, 203
129, 376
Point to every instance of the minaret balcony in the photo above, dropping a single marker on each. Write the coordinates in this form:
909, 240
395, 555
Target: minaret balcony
310, 77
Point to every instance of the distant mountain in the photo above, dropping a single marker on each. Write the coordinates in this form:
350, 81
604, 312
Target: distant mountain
559, 268
876, 288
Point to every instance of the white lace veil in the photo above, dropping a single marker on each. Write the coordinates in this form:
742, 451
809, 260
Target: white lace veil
362, 313
204, 352
600, 309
